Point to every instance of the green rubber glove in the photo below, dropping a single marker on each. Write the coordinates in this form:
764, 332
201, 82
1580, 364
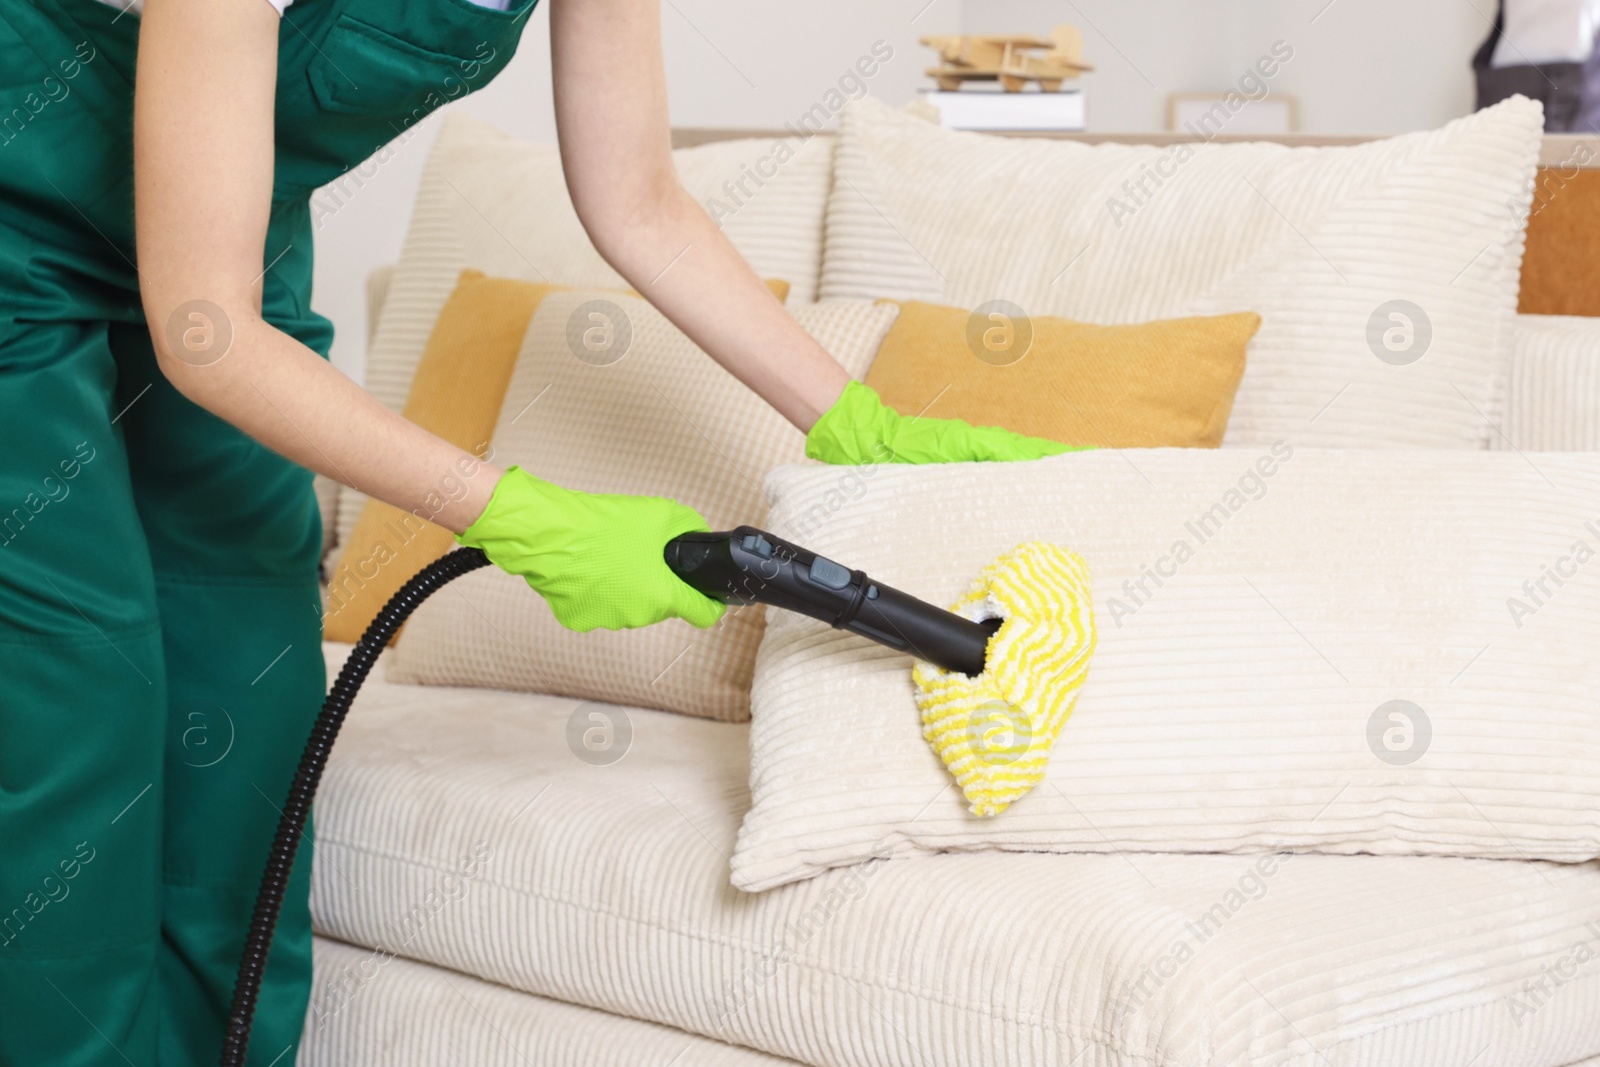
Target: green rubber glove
860, 428
595, 558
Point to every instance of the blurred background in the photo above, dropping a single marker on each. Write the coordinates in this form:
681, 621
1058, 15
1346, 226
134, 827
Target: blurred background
1357, 67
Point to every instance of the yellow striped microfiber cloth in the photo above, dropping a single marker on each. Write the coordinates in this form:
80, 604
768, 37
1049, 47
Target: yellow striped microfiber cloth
995, 732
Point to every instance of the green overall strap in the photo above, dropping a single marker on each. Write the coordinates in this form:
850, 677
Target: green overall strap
353, 76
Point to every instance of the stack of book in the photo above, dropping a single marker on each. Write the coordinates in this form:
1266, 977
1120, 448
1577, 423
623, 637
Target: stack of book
994, 109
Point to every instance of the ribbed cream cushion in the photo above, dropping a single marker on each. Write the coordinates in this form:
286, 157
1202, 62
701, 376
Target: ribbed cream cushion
491, 201
663, 420
1314, 239
1554, 399
1234, 706
369, 1009
607, 886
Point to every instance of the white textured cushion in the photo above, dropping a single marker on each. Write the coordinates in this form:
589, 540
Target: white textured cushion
371, 1009
499, 204
1315, 239
607, 886
663, 420
1554, 400
1236, 705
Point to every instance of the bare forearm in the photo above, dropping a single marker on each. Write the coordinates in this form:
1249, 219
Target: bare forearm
611, 116
206, 76
674, 255
291, 400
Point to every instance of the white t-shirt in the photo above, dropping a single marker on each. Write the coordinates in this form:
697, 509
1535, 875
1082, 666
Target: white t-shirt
136, 6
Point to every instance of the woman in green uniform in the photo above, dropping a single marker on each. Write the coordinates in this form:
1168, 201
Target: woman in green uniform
164, 396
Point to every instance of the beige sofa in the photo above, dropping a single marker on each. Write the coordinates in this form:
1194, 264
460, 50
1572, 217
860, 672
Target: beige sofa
482, 897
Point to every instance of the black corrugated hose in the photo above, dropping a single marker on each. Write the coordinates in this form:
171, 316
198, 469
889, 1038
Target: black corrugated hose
297, 808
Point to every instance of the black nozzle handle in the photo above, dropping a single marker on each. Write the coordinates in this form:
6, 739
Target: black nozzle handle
751, 566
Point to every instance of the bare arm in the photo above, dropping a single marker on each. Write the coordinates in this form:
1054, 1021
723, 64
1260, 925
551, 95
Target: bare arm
611, 116
203, 163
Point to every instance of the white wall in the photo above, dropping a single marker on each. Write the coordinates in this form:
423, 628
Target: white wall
1359, 66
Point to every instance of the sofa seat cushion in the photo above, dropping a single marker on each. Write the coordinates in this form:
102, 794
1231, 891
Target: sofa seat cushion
371, 1010
579, 851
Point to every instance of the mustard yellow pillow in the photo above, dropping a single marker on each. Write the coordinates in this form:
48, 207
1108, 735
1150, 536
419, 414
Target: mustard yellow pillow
457, 393
1155, 384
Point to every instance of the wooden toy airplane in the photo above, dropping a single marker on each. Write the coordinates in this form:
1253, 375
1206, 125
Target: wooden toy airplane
1010, 59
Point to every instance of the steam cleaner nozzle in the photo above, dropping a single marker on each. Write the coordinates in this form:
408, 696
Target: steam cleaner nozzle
747, 565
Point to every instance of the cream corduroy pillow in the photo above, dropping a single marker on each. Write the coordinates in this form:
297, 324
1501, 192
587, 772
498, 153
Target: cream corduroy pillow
644, 411
1554, 401
1337, 650
1385, 273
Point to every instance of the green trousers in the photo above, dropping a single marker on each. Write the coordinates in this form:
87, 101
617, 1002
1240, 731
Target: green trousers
161, 643
160, 627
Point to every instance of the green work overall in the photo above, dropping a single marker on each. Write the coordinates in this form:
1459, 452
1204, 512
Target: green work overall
159, 621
